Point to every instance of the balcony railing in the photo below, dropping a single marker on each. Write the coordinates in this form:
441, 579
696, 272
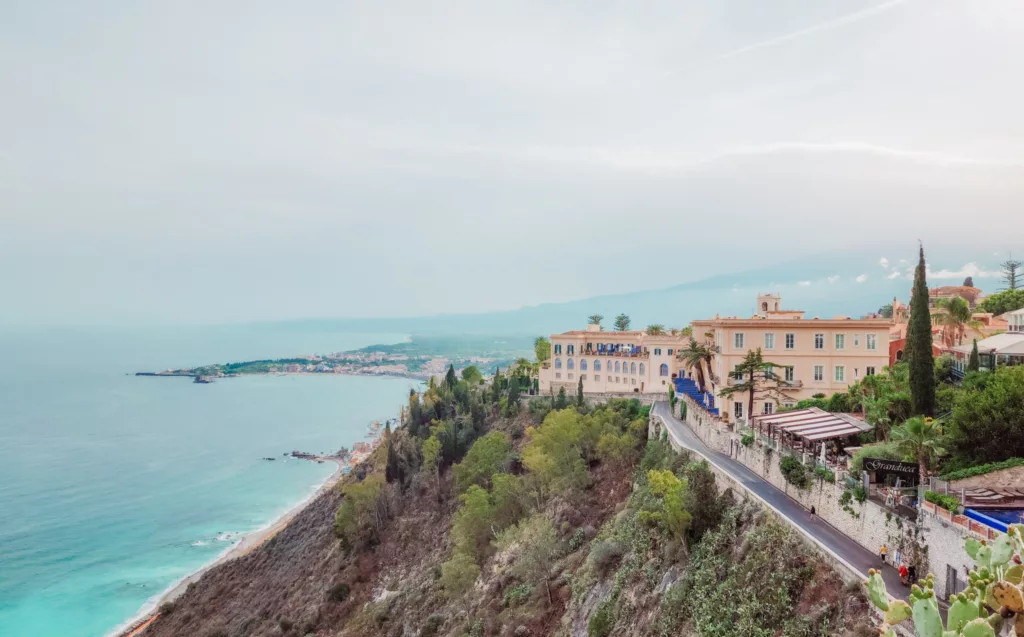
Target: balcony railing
612, 354
792, 384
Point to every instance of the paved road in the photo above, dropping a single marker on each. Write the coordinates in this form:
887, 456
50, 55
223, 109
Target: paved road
855, 555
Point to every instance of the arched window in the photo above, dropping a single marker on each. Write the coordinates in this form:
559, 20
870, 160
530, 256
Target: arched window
583, 364
597, 366
899, 354
632, 368
558, 363
570, 364
664, 369
641, 369
617, 370
764, 307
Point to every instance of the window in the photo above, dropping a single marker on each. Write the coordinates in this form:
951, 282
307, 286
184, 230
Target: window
737, 371
856, 340
840, 341
869, 371
737, 409
571, 364
657, 351
790, 340
597, 366
617, 370
558, 375
558, 348
670, 351
790, 374
572, 376
819, 373
632, 368
819, 341
737, 340
583, 364
572, 349
769, 340
840, 374
558, 363
642, 369
871, 343
768, 408
663, 371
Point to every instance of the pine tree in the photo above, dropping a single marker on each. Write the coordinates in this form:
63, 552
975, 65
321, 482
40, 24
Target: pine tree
622, 323
1012, 274
918, 352
579, 393
974, 362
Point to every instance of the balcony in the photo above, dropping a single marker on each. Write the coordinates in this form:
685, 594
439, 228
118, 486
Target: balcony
793, 384
613, 354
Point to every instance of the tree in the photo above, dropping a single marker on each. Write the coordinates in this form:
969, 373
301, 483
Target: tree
458, 575
621, 323
987, 421
471, 528
510, 498
1002, 302
432, 459
955, 320
673, 516
532, 545
919, 438
885, 311
554, 453
561, 402
449, 379
472, 375
1012, 274
969, 282
918, 353
756, 378
974, 362
488, 455
579, 393
655, 329
542, 349
595, 319
359, 517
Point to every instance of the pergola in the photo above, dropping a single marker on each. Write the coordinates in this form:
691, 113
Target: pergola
808, 426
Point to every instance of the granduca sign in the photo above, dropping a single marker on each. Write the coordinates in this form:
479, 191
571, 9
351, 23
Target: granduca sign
894, 467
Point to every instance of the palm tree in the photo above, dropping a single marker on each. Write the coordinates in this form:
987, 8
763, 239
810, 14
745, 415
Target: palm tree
656, 329
922, 439
595, 319
694, 356
955, 320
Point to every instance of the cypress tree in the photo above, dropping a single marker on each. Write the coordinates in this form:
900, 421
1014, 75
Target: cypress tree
449, 378
579, 393
561, 402
920, 360
974, 362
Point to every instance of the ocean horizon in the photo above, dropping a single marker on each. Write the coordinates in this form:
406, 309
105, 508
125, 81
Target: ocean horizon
115, 487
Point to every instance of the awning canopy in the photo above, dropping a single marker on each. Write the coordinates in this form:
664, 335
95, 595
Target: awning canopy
812, 424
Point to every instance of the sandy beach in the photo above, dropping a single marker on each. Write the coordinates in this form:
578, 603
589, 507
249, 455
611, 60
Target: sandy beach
247, 544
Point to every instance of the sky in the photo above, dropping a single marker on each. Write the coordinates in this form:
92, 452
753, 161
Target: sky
187, 162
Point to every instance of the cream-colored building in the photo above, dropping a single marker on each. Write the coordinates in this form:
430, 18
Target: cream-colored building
611, 362
820, 356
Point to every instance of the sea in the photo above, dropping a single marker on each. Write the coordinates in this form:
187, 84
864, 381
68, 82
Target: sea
115, 487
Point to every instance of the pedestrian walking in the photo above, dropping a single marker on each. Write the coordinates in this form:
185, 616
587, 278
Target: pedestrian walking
883, 552
904, 574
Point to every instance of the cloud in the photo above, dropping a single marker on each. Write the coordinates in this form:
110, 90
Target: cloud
968, 270
817, 28
833, 279
895, 274
803, 283
883, 262
862, 278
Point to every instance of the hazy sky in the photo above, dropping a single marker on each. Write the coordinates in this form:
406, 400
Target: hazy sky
222, 161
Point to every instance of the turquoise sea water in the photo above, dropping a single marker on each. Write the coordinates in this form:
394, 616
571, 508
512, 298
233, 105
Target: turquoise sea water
113, 487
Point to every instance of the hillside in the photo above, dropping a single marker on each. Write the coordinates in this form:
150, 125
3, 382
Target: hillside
477, 518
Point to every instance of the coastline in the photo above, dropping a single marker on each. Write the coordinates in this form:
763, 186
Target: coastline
248, 543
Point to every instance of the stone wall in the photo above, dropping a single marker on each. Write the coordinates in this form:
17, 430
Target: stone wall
945, 541
602, 397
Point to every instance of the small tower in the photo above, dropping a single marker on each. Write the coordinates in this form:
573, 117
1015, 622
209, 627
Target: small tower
768, 303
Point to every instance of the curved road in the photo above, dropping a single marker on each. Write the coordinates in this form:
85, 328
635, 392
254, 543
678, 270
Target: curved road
814, 527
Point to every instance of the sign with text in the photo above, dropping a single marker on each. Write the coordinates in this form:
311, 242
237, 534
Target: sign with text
903, 470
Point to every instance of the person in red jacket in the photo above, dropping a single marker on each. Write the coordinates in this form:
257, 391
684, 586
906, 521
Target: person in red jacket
904, 575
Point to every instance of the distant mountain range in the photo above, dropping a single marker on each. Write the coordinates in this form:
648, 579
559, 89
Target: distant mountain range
826, 286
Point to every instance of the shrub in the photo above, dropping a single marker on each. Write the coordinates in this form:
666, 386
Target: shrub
795, 472
472, 526
747, 439
605, 554
517, 595
825, 474
860, 494
338, 593
982, 469
532, 543
601, 622
949, 502
356, 520
487, 456
882, 450
431, 626
577, 540
458, 575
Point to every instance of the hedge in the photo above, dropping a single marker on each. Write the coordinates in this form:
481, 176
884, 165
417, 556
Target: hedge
949, 502
982, 469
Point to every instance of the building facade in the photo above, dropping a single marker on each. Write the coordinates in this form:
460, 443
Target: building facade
818, 356
611, 362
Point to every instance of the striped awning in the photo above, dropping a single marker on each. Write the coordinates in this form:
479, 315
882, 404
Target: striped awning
812, 424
